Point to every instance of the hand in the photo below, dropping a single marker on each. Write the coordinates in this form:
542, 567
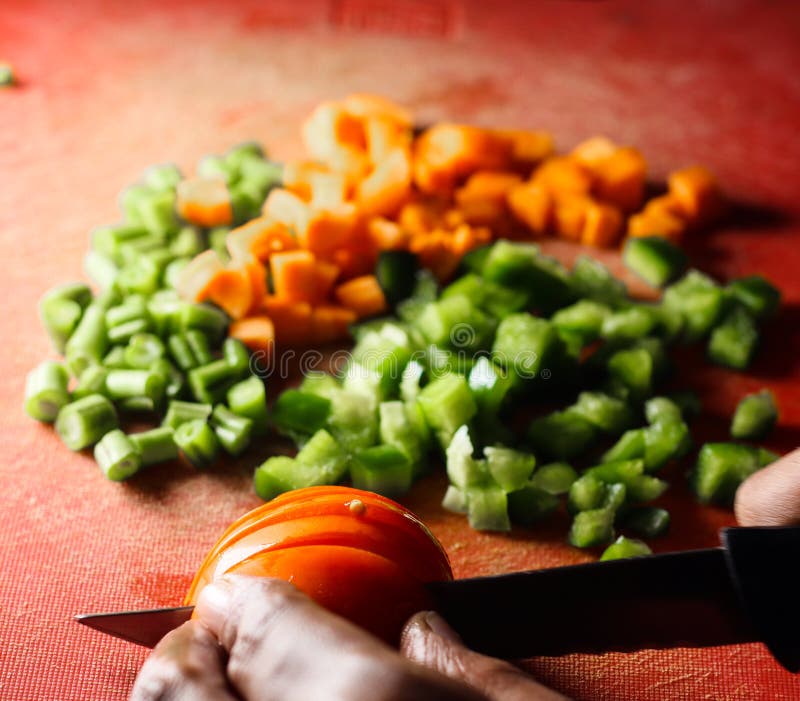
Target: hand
261, 639
771, 497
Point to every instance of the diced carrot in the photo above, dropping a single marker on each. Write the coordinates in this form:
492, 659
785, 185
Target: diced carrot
328, 190
446, 153
321, 131
258, 282
256, 332
528, 147
328, 230
386, 235
363, 295
204, 201
354, 261
602, 225
434, 252
569, 216
651, 223
532, 204
294, 275
383, 136
465, 238
274, 239
232, 290
296, 176
563, 175
594, 151
292, 320
325, 274
620, 178
374, 106
258, 238
664, 204
193, 280
331, 323
484, 213
696, 191
286, 207
422, 216
490, 185
387, 187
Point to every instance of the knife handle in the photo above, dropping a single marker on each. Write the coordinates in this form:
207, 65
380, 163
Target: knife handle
764, 564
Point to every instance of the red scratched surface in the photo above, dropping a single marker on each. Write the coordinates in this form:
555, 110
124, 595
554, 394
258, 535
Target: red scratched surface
107, 88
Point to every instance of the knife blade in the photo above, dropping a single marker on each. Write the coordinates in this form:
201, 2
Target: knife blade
692, 598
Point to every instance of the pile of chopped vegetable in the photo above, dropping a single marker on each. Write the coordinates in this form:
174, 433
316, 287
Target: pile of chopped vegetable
537, 385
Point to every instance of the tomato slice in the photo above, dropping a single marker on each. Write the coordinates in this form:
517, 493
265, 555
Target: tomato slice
329, 516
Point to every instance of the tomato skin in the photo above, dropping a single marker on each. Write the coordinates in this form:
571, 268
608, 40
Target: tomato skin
367, 589
356, 553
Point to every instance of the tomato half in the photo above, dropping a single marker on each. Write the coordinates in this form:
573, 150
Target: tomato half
356, 553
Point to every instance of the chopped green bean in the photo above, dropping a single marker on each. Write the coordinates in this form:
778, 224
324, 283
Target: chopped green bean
248, 398
179, 412
236, 355
233, 431
156, 445
124, 384
115, 358
143, 350
91, 381
46, 391
84, 422
198, 342
117, 456
101, 269
210, 383
623, 548
88, 343
198, 442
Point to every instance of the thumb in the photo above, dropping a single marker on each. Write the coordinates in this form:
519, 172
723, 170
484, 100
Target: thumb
429, 641
771, 496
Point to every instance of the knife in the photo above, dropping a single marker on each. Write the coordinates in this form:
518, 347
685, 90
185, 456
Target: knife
744, 591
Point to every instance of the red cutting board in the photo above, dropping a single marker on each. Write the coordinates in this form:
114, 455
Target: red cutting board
107, 88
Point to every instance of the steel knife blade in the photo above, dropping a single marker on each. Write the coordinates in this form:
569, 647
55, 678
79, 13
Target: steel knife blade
693, 598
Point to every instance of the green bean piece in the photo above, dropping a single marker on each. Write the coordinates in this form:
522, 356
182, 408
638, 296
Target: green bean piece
143, 350
132, 309
110, 297
139, 276
60, 317
101, 269
124, 332
123, 384
60, 310
586, 493
163, 308
156, 445
157, 212
182, 352
88, 343
755, 416
46, 391
136, 405
555, 478
205, 318
217, 240
210, 383
117, 456
236, 355
174, 379
173, 270
623, 548
591, 528
647, 521
248, 398
91, 381
84, 422
197, 442
198, 342
164, 176
233, 431
179, 412
188, 242
7, 78
108, 240
115, 358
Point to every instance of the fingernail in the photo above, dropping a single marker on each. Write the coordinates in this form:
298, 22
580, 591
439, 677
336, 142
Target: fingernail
213, 605
439, 626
